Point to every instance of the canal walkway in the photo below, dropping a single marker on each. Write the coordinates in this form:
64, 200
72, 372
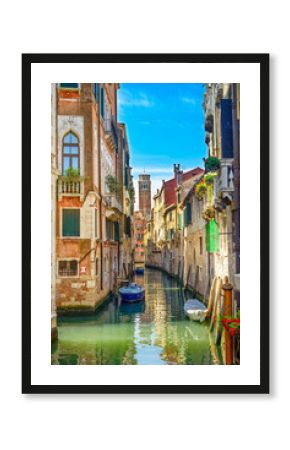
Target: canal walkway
152, 332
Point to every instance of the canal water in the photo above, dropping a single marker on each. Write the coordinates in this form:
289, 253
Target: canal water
152, 332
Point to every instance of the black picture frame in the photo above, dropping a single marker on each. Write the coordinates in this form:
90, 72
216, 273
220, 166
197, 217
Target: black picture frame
263, 61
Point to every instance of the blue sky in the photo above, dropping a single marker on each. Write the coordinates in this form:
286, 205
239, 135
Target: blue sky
165, 125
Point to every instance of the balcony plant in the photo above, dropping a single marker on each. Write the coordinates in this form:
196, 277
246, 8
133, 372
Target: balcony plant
200, 190
208, 213
209, 178
71, 174
212, 164
112, 184
131, 191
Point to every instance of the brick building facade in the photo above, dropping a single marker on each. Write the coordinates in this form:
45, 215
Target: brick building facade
90, 198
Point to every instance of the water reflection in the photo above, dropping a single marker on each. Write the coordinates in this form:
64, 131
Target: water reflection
152, 332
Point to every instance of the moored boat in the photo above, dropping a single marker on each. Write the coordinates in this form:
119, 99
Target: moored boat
195, 310
139, 270
132, 293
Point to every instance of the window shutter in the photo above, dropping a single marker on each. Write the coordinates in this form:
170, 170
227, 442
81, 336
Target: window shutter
227, 128
180, 221
107, 229
69, 85
116, 231
96, 91
212, 237
126, 177
102, 109
71, 222
188, 213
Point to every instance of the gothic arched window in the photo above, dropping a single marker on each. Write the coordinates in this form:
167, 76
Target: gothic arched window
70, 153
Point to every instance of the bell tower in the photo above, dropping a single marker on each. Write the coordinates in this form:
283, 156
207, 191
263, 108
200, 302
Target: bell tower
145, 195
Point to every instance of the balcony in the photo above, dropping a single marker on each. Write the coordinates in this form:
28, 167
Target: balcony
111, 132
225, 182
70, 187
113, 204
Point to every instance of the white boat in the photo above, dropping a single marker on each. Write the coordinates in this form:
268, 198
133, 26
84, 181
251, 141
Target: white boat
195, 310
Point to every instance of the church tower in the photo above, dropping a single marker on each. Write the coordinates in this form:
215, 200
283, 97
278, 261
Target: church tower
145, 195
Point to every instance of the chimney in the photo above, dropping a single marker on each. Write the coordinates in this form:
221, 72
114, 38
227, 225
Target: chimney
177, 174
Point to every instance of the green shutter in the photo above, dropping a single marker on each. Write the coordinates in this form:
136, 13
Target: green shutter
71, 222
126, 178
96, 91
187, 214
102, 108
180, 221
69, 85
116, 231
188, 208
108, 230
212, 236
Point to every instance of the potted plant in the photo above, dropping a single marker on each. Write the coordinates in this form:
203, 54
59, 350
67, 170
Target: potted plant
71, 173
200, 190
209, 178
212, 164
208, 213
112, 184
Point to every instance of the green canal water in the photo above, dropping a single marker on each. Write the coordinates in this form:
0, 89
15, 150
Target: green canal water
152, 332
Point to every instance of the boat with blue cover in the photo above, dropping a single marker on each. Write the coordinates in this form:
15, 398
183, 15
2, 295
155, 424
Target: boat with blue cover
132, 293
139, 270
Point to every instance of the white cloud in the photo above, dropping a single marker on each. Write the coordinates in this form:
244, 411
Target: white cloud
189, 100
150, 170
127, 98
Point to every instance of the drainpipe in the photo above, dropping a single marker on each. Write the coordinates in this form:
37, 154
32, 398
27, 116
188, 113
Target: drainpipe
100, 186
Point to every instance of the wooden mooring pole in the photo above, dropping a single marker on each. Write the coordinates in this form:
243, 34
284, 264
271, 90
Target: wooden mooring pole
228, 311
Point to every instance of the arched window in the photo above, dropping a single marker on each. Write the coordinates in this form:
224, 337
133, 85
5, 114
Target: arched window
70, 152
